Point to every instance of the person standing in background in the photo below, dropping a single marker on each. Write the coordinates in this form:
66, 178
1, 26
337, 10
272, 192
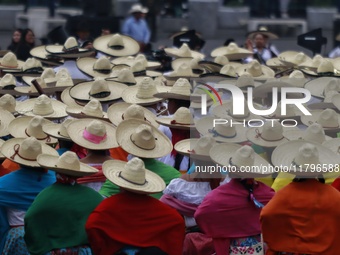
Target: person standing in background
15, 40
136, 26
26, 43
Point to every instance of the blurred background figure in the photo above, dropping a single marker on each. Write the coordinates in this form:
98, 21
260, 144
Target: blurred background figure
15, 40
26, 43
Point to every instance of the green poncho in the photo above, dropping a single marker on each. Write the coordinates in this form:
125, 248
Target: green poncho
57, 217
166, 172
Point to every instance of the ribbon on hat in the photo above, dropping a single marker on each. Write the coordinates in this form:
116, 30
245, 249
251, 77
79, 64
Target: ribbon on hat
97, 139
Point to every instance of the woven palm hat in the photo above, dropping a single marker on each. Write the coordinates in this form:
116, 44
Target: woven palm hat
42, 106
335, 100
142, 139
125, 76
94, 67
27, 126
255, 69
232, 52
138, 8
192, 62
10, 61
327, 118
242, 160
301, 157
100, 89
133, 176
292, 112
333, 144
313, 133
296, 78
243, 82
24, 151
320, 86
312, 64
93, 109
325, 69
5, 119
227, 71
182, 119
70, 49
269, 135
116, 45
68, 100
138, 68
226, 132
183, 52
196, 148
143, 93
31, 90
275, 63
44, 57
8, 103
121, 111
293, 58
129, 60
180, 90
92, 134
58, 131
265, 90
264, 31
8, 82
48, 75
68, 164
216, 65
31, 67
183, 71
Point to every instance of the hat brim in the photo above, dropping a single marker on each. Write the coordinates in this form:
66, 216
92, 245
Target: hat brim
86, 66
333, 144
317, 86
253, 137
175, 52
131, 46
215, 77
288, 58
130, 61
6, 119
8, 150
76, 112
311, 119
50, 162
185, 147
293, 135
112, 169
224, 51
233, 81
57, 50
44, 57
130, 96
275, 63
116, 112
265, 89
68, 100
76, 128
170, 95
166, 121
268, 34
267, 72
126, 128
53, 131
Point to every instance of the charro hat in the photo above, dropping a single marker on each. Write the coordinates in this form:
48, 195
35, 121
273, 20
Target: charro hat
216, 65
328, 119
325, 68
243, 82
31, 67
182, 119
180, 90
183, 71
68, 164
133, 176
138, 68
48, 75
5, 119
10, 61
58, 131
258, 71
7, 85
94, 67
24, 151
68, 100
142, 139
44, 57
264, 31
70, 49
92, 134
183, 52
192, 62
232, 52
129, 60
313, 133
93, 109
138, 8
293, 58
125, 76
8, 103
320, 86
227, 71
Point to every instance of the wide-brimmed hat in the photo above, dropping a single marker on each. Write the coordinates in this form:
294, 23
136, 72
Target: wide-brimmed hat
138, 68
183, 52
227, 71
31, 89
192, 62
10, 61
216, 65
325, 68
312, 64
142, 139
333, 144
335, 100
7, 85
116, 45
183, 71
48, 75
305, 159
293, 58
328, 119
129, 60
94, 67
255, 69
5, 119
196, 148
275, 63
232, 52
180, 90
93, 134
297, 78
27, 126
70, 49
44, 57
133, 176
182, 119
125, 76
265, 90
8, 103
263, 31
31, 67
292, 112
313, 133
241, 160
269, 135
138, 8
121, 111
320, 86
58, 131
222, 132
42, 106
100, 89
25, 151
68, 164
143, 93
68, 100
93, 109
243, 82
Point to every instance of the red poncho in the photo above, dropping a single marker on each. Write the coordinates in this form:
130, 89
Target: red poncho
136, 220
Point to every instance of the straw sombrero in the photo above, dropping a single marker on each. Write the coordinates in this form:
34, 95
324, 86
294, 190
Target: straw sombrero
216, 65
7, 85
275, 63
243, 82
320, 86
92, 134
301, 157
68, 100
68, 164
93, 109
130, 60
31, 67
100, 89
142, 139
292, 112
42, 106
196, 148
183, 52
333, 144
24, 151
263, 31
121, 111
182, 119
232, 52
227, 71
326, 69
313, 133
296, 78
143, 93
58, 131
8, 103
192, 62
255, 69
293, 58
27, 126
116, 45
5, 119
328, 119
101, 67
10, 61
226, 132
44, 57
30, 90
48, 76
138, 68
133, 176
265, 90
70, 49
183, 71
180, 90
312, 64
125, 76
240, 160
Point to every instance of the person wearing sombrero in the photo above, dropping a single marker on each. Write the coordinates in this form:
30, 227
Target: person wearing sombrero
142, 225
140, 139
18, 189
55, 222
230, 213
307, 208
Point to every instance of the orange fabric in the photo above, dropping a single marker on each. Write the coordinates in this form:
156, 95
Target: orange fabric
303, 217
119, 153
336, 184
7, 167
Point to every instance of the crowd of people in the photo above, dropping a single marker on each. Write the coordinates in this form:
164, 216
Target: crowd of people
103, 153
